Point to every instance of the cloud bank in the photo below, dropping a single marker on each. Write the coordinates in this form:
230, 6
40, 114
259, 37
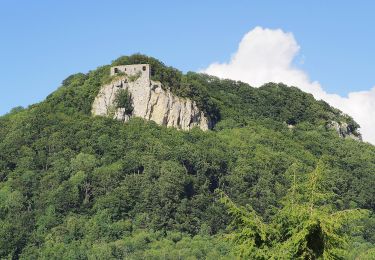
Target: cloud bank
266, 55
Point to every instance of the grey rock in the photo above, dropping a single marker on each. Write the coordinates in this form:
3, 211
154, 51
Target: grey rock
150, 100
344, 131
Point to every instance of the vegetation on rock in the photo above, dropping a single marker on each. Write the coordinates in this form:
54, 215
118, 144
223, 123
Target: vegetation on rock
123, 99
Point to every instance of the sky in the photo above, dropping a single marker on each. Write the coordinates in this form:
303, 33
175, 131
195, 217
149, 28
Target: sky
326, 47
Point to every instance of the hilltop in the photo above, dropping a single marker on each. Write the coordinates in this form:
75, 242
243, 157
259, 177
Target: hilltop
78, 186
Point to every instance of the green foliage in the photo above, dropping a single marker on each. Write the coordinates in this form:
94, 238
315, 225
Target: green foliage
75, 186
306, 227
78, 91
239, 102
124, 100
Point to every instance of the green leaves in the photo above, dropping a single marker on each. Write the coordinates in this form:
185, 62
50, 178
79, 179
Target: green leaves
124, 100
306, 227
76, 186
83, 162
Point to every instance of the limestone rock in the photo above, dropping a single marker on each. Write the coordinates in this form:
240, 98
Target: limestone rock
344, 131
150, 101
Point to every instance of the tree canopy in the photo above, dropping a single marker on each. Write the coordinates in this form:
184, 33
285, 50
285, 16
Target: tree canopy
73, 186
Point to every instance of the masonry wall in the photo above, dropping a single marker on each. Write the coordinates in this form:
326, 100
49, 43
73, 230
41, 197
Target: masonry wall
131, 70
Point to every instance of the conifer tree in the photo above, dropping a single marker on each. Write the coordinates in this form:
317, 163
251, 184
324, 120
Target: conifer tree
306, 227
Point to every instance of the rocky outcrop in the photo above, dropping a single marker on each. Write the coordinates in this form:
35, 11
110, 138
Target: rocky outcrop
151, 102
344, 131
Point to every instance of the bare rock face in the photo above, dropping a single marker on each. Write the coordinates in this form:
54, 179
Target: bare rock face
344, 131
150, 102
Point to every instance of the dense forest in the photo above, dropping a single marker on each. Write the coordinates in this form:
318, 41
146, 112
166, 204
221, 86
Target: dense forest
270, 180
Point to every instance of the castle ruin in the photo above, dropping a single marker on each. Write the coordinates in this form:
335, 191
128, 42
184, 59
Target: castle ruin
132, 70
150, 101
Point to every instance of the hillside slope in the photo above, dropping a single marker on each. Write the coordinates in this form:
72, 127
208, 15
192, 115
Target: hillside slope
76, 186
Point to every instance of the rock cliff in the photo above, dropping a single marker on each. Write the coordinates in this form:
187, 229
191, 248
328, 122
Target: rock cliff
344, 131
151, 102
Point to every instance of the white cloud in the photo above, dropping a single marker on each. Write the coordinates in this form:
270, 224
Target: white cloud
266, 55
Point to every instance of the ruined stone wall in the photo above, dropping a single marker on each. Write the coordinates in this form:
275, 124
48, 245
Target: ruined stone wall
132, 70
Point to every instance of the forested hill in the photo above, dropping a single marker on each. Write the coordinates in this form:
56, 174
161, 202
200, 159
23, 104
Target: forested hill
74, 186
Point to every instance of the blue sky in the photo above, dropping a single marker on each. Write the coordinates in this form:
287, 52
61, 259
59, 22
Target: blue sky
43, 42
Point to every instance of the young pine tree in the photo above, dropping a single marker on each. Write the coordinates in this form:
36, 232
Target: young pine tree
306, 227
